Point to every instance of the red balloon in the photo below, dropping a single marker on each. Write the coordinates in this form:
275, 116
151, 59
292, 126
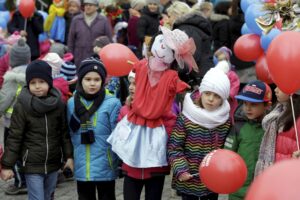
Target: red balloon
223, 171
247, 47
278, 182
118, 59
283, 57
27, 8
262, 71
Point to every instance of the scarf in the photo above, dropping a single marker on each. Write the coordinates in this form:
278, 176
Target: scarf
266, 155
207, 119
38, 106
54, 11
90, 18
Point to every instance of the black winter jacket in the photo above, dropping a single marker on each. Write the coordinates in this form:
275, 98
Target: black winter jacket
38, 134
33, 28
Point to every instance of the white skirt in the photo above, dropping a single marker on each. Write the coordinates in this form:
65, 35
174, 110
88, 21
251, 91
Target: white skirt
139, 146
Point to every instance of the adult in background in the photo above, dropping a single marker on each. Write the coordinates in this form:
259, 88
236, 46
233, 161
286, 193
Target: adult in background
196, 26
85, 28
32, 30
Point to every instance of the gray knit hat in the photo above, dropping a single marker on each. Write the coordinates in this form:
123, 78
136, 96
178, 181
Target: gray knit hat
19, 54
101, 41
58, 48
95, 2
153, 1
137, 4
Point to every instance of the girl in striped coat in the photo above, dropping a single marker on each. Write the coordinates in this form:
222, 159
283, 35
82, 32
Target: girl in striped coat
201, 128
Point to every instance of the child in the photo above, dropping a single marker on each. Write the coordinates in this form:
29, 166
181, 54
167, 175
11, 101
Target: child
38, 133
153, 177
246, 134
223, 54
201, 128
92, 115
14, 80
279, 141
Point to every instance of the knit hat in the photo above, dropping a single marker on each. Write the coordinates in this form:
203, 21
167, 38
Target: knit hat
68, 69
19, 54
101, 41
39, 69
152, 1
75, 1
215, 80
137, 4
58, 48
95, 2
256, 91
55, 62
91, 64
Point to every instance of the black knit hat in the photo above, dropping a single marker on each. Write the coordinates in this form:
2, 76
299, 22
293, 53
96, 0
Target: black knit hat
91, 64
39, 69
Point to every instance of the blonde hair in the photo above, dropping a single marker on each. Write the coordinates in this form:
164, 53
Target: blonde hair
178, 9
206, 6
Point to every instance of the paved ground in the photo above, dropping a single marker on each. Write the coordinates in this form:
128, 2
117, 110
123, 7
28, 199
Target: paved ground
67, 190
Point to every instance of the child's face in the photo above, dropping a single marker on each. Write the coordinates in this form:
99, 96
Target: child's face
210, 100
281, 96
91, 83
131, 87
38, 87
254, 110
73, 8
153, 7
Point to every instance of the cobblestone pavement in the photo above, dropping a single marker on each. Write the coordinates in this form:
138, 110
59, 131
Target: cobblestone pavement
67, 190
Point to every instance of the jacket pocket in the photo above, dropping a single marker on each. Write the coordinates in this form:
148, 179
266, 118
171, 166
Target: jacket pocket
25, 157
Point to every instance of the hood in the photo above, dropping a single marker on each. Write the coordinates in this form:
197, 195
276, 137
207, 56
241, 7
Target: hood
218, 17
196, 19
17, 75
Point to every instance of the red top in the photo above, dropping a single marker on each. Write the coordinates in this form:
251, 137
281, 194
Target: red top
150, 103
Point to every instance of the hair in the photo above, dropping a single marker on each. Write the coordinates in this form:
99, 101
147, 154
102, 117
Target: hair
222, 7
205, 6
286, 119
179, 9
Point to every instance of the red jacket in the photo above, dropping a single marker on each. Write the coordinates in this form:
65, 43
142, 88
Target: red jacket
4, 65
286, 143
169, 120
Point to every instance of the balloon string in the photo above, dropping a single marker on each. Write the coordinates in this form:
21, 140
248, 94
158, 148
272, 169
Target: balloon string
295, 124
25, 24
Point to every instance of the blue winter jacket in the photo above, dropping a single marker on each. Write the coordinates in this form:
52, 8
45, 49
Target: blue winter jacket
96, 162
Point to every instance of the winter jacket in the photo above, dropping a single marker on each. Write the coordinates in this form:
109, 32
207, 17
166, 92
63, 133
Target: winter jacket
96, 161
245, 138
14, 80
147, 24
38, 134
81, 36
189, 143
4, 65
146, 173
196, 26
132, 31
62, 85
286, 143
68, 17
34, 28
220, 31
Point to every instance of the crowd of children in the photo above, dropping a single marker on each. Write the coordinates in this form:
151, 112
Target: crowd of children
62, 112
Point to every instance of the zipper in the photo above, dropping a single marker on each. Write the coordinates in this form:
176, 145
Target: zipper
25, 157
47, 146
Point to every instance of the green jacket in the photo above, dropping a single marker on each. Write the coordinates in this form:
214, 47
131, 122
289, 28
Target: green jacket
245, 138
38, 134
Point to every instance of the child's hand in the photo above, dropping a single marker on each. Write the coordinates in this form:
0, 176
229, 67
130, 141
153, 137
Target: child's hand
296, 154
185, 176
6, 174
70, 164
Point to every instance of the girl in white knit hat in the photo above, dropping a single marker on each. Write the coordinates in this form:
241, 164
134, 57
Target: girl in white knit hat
201, 128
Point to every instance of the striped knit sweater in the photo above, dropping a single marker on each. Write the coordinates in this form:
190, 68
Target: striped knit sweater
188, 145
